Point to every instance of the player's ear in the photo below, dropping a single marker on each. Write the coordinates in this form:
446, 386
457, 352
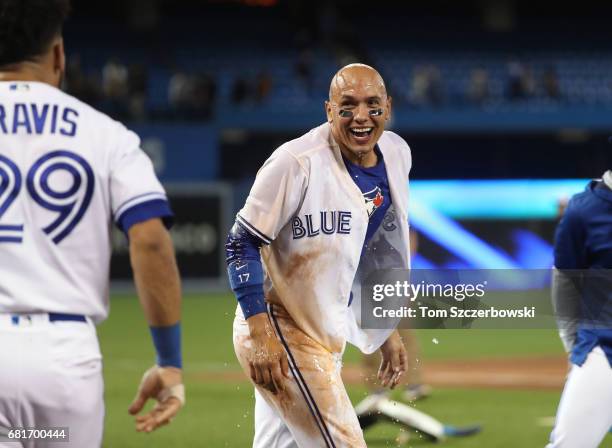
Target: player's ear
389, 103
59, 59
328, 111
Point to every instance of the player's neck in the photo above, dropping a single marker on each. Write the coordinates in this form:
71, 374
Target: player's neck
27, 71
365, 160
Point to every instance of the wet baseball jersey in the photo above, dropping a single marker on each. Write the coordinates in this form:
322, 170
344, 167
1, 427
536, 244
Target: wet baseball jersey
313, 218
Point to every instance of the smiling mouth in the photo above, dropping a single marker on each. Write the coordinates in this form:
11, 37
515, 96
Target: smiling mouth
361, 132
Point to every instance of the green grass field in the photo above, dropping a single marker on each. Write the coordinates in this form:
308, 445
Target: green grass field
219, 411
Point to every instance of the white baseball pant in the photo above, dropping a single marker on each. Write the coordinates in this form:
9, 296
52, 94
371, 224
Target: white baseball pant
585, 410
51, 376
314, 411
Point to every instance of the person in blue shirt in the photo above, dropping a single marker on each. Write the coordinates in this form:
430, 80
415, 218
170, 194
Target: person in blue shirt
582, 298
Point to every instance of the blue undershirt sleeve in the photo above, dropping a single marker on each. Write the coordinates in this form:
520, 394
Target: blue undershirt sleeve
244, 269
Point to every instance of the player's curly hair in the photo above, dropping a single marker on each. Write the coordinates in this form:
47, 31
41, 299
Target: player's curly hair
27, 27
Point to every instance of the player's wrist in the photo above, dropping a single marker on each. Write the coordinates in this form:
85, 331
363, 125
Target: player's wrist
170, 372
259, 325
167, 342
253, 303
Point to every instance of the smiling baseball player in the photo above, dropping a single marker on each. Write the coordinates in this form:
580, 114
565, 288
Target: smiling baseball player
66, 172
320, 205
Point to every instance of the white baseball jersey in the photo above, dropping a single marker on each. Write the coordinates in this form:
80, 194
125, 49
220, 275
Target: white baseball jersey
65, 171
305, 205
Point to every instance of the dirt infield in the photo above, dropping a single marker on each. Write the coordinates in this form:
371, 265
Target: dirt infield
506, 373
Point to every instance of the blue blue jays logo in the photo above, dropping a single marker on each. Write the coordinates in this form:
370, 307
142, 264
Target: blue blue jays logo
373, 199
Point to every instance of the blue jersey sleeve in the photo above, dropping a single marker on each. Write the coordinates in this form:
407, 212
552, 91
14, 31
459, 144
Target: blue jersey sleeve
156, 208
570, 239
244, 269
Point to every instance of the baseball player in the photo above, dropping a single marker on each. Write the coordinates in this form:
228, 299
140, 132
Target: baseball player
67, 172
583, 302
321, 205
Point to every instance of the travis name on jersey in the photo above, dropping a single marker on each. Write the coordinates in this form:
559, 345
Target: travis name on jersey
38, 119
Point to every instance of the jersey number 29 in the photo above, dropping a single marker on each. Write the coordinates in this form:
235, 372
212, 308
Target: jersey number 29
69, 204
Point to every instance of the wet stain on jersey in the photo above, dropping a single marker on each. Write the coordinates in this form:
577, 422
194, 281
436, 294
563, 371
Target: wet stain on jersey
302, 264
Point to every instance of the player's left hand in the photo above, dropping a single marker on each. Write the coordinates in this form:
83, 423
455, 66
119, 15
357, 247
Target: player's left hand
165, 384
394, 361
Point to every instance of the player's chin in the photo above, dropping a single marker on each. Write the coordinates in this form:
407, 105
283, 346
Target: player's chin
361, 151
362, 148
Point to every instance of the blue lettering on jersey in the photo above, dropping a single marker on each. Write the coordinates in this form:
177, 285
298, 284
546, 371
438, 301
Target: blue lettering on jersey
54, 119
328, 227
39, 117
344, 222
326, 222
71, 132
2, 117
298, 228
310, 230
21, 118
32, 118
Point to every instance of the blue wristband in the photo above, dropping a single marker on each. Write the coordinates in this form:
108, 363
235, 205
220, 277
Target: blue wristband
167, 341
246, 280
252, 302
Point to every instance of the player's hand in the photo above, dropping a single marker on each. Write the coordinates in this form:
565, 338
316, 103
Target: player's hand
268, 362
394, 361
165, 384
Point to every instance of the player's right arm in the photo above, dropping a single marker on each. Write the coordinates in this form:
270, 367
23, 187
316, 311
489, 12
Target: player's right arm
141, 210
274, 198
268, 361
158, 284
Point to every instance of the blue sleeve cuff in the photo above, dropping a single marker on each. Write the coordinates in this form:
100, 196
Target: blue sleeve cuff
167, 341
252, 301
156, 208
